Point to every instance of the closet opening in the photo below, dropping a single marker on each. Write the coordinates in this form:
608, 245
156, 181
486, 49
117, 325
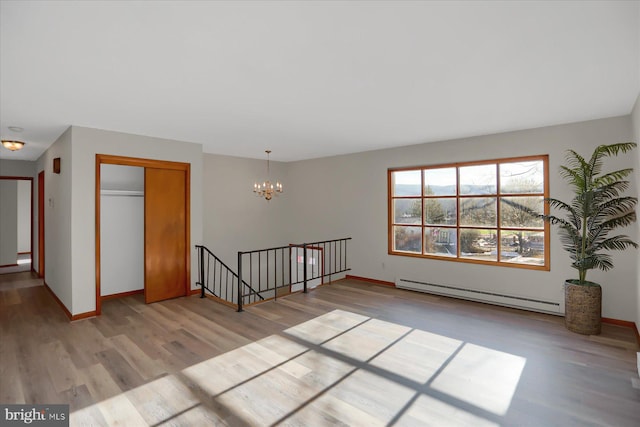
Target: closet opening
121, 230
142, 228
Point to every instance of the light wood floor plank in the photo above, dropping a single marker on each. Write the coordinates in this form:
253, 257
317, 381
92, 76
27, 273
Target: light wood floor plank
348, 353
99, 382
137, 358
60, 367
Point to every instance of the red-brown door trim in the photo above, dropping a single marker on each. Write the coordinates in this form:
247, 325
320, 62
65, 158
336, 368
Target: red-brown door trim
141, 162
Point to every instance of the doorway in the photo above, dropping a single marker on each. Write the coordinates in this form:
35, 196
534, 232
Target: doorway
315, 267
167, 258
16, 224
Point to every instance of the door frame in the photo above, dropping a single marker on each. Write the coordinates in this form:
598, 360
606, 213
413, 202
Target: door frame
25, 178
40, 225
145, 163
314, 248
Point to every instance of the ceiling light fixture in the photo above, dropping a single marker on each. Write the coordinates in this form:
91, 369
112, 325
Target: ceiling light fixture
267, 189
12, 145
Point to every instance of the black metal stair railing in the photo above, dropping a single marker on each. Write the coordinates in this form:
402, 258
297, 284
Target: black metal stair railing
268, 273
219, 280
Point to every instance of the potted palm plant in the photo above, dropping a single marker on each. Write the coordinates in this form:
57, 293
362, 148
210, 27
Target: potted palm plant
597, 208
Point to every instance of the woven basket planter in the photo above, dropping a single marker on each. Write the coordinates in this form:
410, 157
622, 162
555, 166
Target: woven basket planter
583, 308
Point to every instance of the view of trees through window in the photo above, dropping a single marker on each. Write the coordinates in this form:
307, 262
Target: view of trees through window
476, 212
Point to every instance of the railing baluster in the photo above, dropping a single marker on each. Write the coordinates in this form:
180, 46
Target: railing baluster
226, 282
283, 271
267, 273
208, 270
282, 281
324, 268
260, 271
335, 254
213, 276
275, 269
217, 269
251, 270
345, 252
290, 273
215, 285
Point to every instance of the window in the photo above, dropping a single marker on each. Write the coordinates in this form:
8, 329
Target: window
480, 212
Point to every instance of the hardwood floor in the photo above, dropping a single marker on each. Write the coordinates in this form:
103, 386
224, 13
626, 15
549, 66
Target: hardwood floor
349, 353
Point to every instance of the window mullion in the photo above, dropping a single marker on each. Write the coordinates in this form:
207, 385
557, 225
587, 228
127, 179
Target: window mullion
458, 231
422, 219
498, 216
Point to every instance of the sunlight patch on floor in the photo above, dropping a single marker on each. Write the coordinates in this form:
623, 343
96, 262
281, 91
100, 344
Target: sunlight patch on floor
327, 326
340, 367
429, 411
483, 377
367, 339
418, 356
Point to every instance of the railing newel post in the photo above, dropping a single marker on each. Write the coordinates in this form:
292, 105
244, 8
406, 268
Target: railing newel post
201, 272
239, 282
304, 268
275, 275
323, 267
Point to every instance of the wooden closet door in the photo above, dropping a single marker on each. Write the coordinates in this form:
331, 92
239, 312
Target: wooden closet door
165, 234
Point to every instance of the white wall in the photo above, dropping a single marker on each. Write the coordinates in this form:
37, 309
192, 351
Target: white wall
635, 119
24, 216
346, 196
236, 219
86, 144
8, 221
58, 219
21, 168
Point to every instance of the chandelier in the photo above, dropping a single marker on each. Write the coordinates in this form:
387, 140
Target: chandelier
267, 189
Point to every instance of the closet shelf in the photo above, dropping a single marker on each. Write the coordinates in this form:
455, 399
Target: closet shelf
129, 193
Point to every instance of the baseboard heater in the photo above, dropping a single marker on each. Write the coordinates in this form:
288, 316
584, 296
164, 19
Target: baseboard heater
481, 296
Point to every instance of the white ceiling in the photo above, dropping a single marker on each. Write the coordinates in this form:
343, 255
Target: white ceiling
311, 79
